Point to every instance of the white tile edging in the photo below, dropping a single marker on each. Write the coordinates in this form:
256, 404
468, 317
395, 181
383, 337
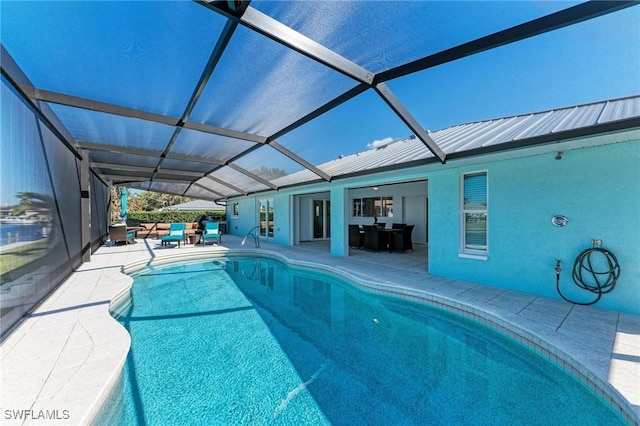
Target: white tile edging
114, 378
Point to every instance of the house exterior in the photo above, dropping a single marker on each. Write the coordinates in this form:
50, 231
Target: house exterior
580, 163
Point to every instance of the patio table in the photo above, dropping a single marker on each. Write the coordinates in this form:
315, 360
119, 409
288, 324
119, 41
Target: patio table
389, 232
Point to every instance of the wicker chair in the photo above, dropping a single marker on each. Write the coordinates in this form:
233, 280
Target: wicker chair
356, 238
402, 240
119, 234
374, 240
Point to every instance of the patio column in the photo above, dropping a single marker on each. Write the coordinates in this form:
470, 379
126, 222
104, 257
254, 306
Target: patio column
339, 203
85, 206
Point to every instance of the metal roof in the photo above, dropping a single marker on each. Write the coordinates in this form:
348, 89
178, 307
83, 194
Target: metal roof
209, 99
489, 136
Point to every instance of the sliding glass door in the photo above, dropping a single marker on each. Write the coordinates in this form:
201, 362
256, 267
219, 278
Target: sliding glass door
266, 218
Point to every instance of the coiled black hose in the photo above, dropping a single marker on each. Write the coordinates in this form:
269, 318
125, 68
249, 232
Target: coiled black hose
586, 277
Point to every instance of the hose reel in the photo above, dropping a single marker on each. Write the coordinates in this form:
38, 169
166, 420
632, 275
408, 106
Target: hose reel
595, 270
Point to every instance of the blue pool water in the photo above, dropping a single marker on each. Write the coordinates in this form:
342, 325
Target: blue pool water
253, 341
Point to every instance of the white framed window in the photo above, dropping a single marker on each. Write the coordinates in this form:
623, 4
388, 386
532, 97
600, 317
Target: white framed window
235, 210
373, 207
474, 208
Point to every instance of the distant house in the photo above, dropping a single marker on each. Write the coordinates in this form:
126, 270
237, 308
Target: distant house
197, 205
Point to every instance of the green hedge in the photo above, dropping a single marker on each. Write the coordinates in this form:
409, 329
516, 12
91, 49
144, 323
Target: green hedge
173, 216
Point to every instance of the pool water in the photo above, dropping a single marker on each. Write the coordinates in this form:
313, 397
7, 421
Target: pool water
254, 341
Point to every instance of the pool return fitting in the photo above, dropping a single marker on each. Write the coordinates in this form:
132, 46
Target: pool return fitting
586, 277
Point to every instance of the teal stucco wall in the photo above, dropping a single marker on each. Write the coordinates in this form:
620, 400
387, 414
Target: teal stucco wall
248, 215
246, 219
597, 189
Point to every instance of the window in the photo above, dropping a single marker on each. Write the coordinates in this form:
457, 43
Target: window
373, 207
474, 209
234, 209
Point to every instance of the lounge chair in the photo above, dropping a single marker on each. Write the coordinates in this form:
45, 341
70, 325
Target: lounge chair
211, 232
176, 233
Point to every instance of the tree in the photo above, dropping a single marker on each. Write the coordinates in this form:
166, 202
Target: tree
143, 201
44, 209
269, 173
32, 201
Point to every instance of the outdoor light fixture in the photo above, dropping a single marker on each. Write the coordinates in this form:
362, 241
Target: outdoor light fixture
559, 221
375, 188
559, 155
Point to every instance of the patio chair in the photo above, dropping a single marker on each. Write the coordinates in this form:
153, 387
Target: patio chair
118, 234
356, 238
211, 232
402, 240
398, 225
176, 233
374, 240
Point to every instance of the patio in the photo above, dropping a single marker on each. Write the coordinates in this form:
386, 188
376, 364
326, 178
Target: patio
68, 354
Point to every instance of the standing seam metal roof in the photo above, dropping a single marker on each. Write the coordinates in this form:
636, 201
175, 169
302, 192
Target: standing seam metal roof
499, 133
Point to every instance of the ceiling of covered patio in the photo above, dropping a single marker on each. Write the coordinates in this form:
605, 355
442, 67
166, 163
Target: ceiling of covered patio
218, 99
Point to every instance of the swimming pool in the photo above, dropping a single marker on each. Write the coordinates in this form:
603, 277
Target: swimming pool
255, 341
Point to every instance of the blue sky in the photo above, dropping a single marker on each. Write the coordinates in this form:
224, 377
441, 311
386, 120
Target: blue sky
141, 55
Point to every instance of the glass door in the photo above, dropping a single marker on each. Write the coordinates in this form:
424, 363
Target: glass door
318, 219
321, 219
266, 218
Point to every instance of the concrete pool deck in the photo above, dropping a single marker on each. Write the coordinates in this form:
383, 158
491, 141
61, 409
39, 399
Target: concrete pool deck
60, 364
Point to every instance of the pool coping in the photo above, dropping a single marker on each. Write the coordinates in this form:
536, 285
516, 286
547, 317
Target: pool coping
85, 381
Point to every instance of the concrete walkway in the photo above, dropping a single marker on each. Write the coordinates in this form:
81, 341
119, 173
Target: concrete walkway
61, 363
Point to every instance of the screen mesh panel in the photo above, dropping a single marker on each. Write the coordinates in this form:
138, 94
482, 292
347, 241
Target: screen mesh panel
40, 216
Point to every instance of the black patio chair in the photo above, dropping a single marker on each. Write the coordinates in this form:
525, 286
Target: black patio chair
398, 225
374, 240
402, 240
356, 238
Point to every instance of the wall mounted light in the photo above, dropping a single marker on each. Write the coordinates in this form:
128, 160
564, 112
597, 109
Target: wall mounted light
559, 220
559, 155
